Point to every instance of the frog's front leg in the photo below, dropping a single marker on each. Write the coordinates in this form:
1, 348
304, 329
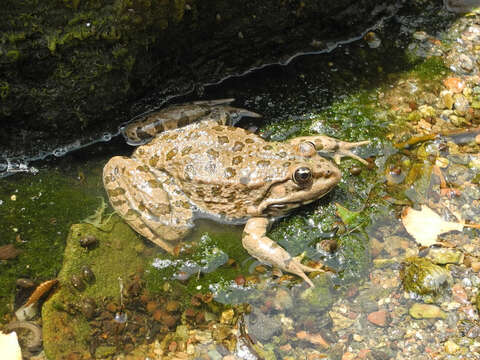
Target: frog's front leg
263, 248
148, 201
336, 148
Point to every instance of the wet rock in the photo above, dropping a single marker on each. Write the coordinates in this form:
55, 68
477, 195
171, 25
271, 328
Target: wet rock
262, 326
426, 311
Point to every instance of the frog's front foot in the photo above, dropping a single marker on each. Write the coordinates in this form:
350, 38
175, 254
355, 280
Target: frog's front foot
325, 144
344, 150
266, 250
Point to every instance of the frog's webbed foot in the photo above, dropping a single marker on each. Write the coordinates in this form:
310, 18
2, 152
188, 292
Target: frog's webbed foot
344, 151
336, 148
266, 250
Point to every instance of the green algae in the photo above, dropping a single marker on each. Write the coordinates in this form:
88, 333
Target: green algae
206, 262
35, 213
114, 262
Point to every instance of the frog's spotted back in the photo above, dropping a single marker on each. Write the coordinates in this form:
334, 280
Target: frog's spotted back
144, 128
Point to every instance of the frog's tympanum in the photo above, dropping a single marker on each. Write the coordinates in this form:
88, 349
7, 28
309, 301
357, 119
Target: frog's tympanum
197, 166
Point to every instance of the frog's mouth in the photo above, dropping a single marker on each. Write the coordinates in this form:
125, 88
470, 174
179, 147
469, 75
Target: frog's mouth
286, 206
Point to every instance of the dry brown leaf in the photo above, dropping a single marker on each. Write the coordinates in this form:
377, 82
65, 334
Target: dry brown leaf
425, 225
40, 291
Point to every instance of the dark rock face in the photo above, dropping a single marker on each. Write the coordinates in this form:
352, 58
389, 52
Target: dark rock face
72, 66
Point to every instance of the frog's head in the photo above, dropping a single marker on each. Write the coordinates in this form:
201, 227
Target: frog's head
308, 179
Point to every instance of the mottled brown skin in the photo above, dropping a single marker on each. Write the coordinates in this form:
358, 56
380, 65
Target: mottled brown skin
207, 169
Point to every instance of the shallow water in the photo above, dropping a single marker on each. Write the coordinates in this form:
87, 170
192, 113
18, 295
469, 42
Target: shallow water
343, 94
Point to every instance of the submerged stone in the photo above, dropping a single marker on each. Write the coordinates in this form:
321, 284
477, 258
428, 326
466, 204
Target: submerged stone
426, 311
423, 277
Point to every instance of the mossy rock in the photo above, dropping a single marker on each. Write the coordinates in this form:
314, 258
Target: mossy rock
64, 331
74, 66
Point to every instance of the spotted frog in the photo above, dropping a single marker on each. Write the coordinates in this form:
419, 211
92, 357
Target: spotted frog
196, 165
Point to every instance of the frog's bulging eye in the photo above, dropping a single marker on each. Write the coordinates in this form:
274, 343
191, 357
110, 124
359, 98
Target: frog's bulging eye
302, 176
307, 148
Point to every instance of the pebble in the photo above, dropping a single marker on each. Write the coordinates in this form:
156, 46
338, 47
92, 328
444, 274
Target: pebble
282, 301
426, 311
461, 104
459, 294
348, 356
227, 316
379, 318
454, 84
451, 347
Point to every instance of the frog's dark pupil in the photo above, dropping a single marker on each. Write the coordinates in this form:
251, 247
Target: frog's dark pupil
302, 175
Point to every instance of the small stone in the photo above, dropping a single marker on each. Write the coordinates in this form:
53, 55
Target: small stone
442, 162
475, 265
340, 322
465, 62
454, 84
477, 139
420, 35
451, 347
426, 311
158, 314
282, 300
459, 294
227, 316
172, 306
151, 306
461, 104
447, 99
378, 318
348, 356
358, 338
427, 110
444, 256
240, 280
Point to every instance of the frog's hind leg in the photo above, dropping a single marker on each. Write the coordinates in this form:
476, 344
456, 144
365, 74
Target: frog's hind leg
263, 248
141, 199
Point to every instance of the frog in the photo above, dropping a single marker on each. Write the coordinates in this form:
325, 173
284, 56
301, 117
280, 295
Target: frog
194, 163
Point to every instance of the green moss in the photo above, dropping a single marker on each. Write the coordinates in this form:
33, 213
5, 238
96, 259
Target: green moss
4, 89
115, 258
35, 215
431, 69
423, 277
13, 55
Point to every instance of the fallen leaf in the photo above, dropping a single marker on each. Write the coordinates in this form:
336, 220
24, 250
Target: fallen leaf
425, 225
347, 216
